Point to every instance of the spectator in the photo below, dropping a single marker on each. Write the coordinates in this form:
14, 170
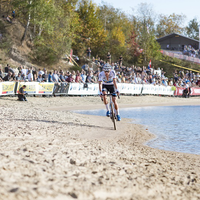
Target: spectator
9, 19
13, 13
8, 77
40, 79
6, 68
88, 53
1, 72
120, 60
13, 77
70, 79
78, 77
62, 78
19, 77
50, 77
40, 72
74, 75
45, 76
83, 76
108, 57
55, 77
89, 78
24, 71
30, 76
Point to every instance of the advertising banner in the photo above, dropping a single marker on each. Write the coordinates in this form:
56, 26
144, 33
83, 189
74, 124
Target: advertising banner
7, 88
36, 87
157, 90
31, 87
45, 88
127, 88
81, 89
195, 91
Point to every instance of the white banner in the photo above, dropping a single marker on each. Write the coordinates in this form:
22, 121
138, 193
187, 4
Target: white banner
157, 90
78, 89
128, 88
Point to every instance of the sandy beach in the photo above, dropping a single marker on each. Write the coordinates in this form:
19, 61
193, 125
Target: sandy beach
49, 152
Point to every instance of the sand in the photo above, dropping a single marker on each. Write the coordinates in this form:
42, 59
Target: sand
49, 152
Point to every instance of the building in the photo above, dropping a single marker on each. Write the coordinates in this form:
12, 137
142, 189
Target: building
175, 41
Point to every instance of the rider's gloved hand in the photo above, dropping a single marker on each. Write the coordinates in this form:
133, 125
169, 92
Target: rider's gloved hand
117, 91
101, 93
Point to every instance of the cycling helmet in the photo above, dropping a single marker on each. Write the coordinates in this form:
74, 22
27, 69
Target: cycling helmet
107, 67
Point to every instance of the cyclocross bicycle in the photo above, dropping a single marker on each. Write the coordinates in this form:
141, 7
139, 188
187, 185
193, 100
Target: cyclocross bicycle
112, 111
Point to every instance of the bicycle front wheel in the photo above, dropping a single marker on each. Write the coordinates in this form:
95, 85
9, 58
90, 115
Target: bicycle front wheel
113, 116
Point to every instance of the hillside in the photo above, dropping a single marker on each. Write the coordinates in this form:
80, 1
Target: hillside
15, 53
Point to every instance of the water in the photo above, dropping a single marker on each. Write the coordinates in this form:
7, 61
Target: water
176, 127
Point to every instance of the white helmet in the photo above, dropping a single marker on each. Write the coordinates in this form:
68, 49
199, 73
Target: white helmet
107, 67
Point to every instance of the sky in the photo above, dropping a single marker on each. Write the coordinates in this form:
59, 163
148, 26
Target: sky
190, 8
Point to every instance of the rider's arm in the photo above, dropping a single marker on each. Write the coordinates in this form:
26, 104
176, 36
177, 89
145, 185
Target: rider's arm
115, 83
100, 86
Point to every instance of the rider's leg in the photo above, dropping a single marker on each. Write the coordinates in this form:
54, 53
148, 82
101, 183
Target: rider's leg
106, 103
115, 105
116, 108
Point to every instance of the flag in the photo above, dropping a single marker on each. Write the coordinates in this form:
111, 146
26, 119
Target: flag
149, 66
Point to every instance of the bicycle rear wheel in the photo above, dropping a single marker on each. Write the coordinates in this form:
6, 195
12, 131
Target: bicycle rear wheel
113, 116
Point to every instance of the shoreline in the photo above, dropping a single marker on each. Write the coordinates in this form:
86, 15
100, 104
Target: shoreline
52, 153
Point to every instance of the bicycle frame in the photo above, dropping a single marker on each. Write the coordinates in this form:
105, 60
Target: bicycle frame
112, 111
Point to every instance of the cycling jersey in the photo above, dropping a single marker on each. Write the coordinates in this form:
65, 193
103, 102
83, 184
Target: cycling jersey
103, 78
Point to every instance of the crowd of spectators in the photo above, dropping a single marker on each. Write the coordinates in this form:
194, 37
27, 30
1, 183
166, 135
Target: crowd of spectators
87, 74
191, 51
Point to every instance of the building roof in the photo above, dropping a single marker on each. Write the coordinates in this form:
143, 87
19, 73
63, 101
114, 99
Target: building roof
175, 35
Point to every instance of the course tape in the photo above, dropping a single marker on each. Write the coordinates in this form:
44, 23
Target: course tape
180, 66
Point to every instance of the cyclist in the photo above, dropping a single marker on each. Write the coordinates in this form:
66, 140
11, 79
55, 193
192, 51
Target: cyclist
107, 82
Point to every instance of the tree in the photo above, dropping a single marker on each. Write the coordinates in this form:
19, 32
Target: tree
192, 29
169, 24
146, 33
118, 27
51, 25
91, 32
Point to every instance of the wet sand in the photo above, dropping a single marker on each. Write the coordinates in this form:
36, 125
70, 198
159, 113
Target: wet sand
49, 152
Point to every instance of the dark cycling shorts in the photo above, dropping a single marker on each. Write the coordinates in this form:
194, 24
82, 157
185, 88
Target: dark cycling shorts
109, 88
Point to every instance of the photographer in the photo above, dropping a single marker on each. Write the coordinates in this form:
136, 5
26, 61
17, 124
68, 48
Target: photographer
22, 93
